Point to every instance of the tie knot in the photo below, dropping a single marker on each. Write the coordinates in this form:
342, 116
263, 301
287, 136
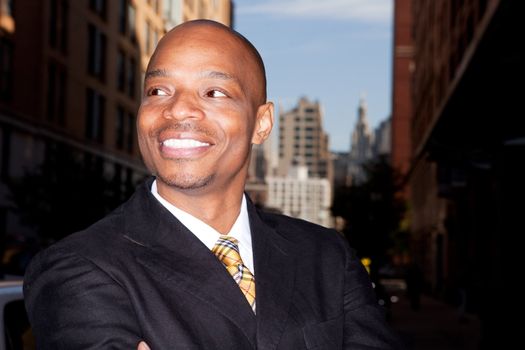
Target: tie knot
227, 250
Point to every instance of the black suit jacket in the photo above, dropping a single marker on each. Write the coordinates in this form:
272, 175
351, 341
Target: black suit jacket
139, 274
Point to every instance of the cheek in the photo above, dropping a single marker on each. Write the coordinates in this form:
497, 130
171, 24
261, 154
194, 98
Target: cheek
144, 126
146, 120
238, 130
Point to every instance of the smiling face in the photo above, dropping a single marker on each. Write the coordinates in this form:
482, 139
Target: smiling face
203, 107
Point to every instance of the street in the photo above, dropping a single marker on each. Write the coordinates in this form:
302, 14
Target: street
435, 326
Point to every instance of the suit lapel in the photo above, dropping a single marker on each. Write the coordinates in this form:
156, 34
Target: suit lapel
180, 259
274, 278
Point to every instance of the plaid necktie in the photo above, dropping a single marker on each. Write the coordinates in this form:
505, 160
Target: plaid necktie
227, 250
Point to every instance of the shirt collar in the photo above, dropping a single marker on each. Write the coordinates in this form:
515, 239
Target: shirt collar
207, 234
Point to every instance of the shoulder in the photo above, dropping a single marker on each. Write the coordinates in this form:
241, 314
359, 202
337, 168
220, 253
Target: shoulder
80, 248
98, 246
306, 236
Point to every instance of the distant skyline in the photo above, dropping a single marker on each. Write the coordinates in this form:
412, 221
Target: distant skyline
331, 51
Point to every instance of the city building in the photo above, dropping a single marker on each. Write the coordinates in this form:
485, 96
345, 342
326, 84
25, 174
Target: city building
340, 163
402, 69
360, 147
179, 11
468, 143
301, 135
382, 145
301, 196
256, 186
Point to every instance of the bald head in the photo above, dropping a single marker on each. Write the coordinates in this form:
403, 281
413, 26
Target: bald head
232, 43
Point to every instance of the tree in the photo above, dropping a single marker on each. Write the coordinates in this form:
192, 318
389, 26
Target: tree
372, 211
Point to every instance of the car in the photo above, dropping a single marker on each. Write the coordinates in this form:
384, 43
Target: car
15, 331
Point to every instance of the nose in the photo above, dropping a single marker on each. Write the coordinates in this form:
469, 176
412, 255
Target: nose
183, 105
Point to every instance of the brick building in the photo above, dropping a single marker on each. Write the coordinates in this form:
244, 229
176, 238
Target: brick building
468, 142
402, 69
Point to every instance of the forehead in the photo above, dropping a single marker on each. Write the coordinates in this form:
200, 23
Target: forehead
203, 46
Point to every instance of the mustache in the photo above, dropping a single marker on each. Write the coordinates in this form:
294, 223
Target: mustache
180, 127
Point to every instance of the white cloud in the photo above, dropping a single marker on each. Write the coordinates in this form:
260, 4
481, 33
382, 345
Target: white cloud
361, 10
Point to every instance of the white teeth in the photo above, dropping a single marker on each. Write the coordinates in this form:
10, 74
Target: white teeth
184, 143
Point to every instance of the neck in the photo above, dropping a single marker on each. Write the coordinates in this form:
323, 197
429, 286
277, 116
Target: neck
218, 209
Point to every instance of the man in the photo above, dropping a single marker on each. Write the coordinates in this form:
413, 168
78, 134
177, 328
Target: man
149, 274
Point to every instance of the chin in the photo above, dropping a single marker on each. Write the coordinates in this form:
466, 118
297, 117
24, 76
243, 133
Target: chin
185, 181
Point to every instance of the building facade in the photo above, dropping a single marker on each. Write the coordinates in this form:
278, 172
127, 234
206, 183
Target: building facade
179, 11
301, 136
300, 196
402, 70
360, 147
382, 146
468, 141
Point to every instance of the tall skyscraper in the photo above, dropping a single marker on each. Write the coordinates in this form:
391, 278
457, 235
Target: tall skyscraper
361, 147
301, 137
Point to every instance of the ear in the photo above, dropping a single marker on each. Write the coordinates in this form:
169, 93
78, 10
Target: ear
263, 123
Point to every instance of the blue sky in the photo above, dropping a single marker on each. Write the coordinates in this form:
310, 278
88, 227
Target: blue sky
333, 51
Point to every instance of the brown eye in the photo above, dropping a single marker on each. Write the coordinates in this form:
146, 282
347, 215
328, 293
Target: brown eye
157, 92
215, 93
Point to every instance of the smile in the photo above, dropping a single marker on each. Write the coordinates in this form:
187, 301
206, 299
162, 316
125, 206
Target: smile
184, 143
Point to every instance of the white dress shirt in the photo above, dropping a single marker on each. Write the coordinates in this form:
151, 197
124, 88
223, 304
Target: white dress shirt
208, 235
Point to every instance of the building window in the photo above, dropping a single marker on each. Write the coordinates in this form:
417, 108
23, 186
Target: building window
122, 16
119, 128
126, 74
6, 69
96, 52
58, 15
121, 70
125, 130
130, 132
155, 38
95, 105
99, 7
131, 22
56, 93
147, 38
132, 66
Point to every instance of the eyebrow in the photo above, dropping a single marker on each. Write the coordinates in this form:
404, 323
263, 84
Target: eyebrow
217, 75
162, 73
156, 73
